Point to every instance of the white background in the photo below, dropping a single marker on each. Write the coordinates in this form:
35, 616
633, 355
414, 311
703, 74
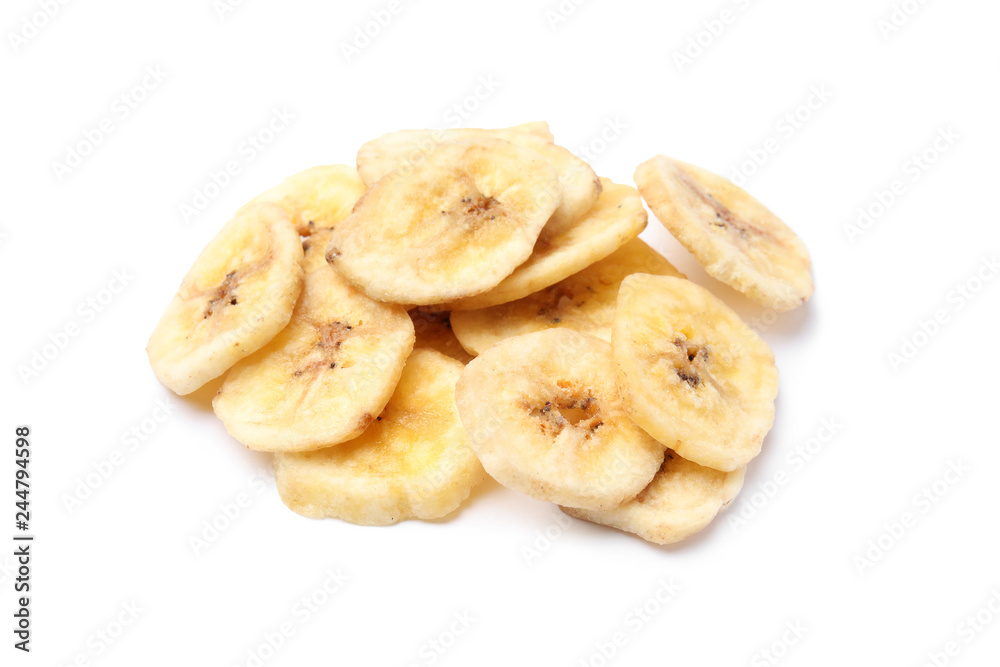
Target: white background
609, 64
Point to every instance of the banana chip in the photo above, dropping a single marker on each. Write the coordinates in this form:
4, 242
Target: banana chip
681, 500
562, 250
407, 149
414, 461
584, 302
237, 296
317, 198
545, 418
691, 373
735, 238
455, 226
325, 377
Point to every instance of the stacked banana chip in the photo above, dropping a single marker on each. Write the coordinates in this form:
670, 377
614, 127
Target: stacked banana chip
472, 302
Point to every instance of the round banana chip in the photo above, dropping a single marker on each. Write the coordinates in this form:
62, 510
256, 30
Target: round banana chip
325, 377
581, 187
455, 226
681, 500
584, 302
317, 198
434, 331
237, 296
562, 250
545, 418
734, 236
414, 461
691, 373
408, 148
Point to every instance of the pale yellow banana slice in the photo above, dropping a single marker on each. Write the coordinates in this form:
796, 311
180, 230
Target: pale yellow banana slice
545, 418
414, 461
237, 296
737, 239
317, 198
433, 330
681, 500
455, 226
562, 250
408, 149
325, 377
691, 373
584, 302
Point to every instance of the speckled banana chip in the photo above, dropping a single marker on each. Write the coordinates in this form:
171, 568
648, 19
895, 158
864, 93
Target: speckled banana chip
736, 239
325, 377
692, 374
237, 296
545, 418
454, 226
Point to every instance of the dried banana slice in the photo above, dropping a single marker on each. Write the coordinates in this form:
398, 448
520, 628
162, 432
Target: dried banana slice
562, 250
455, 226
691, 373
325, 377
737, 239
584, 302
434, 331
237, 296
681, 500
545, 418
317, 198
580, 186
414, 461
408, 148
